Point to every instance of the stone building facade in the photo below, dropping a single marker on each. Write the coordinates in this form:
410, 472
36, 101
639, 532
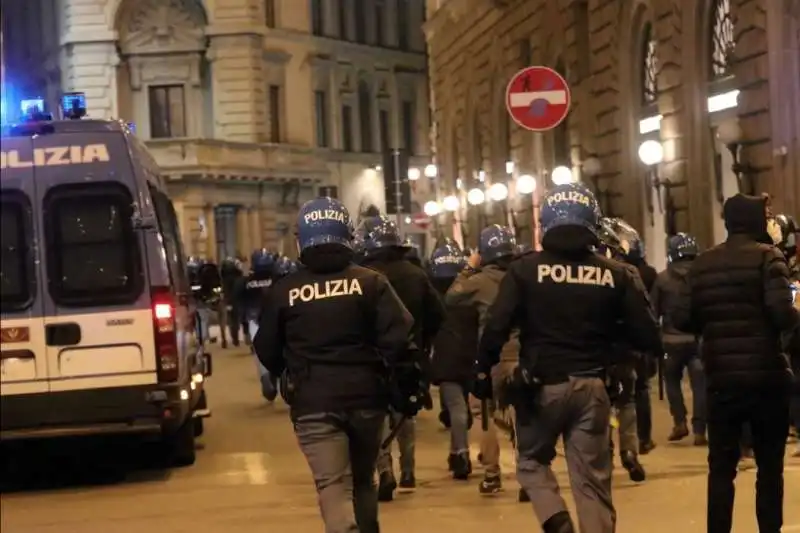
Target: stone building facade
250, 107
715, 82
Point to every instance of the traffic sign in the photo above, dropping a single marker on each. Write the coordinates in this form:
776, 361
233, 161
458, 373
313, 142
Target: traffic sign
538, 98
421, 220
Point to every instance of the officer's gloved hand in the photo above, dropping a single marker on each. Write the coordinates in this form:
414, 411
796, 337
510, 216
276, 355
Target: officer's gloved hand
406, 395
482, 385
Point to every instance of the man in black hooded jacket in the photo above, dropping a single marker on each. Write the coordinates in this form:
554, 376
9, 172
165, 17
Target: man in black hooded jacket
738, 299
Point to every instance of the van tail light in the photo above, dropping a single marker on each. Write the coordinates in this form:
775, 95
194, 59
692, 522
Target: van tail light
166, 341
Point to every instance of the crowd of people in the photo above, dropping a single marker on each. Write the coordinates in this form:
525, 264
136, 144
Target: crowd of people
362, 326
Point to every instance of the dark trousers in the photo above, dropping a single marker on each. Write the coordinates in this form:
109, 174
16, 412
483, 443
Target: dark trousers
341, 449
682, 357
766, 410
644, 409
235, 322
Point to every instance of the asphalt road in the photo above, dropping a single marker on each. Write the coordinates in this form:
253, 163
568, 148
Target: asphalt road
250, 477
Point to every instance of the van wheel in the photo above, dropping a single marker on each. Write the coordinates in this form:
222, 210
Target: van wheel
198, 426
180, 448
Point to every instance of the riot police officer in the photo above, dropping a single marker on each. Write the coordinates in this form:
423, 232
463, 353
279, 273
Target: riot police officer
682, 348
454, 351
231, 272
569, 303
206, 286
386, 252
250, 297
476, 287
335, 328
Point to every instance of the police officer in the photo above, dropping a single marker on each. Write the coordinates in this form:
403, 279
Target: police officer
569, 303
476, 287
386, 252
206, 285
250, 297
231, 272
454, 351
335, 328
682, 348
413, 254
787, 242
621, 376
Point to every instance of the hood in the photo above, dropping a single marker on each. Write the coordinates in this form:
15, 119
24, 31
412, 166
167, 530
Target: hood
326, 258
747, 215
574, 241
493, 272
679, 269
388, 254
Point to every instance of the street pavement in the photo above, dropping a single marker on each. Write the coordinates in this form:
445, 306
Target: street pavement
250, 477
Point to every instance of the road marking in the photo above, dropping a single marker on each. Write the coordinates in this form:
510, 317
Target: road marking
254, 467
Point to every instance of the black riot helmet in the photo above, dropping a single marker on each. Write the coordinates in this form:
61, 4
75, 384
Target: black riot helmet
789, 229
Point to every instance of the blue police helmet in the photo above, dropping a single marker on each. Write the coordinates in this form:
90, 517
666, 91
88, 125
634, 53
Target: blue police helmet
283, 266
631, 242
496, 241
681, 246
379, 232
294, 266
447, 260
610, 243
572, 204
262, 260
324, 221
193, 262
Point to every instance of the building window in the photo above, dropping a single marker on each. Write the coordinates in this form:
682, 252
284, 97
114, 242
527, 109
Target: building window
365, 116
343, 33
402, 24
347, 128
317, 17
360, 15
331, 191
269, 13
385, 125
274, 113
226, 227
649, 67
722, 40
409, 140
167, 112
321, 110
380, 20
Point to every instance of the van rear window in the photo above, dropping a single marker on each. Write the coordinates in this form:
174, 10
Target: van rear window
93, 253
16, 269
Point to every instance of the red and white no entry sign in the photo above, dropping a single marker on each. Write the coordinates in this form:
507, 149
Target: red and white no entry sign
538, 98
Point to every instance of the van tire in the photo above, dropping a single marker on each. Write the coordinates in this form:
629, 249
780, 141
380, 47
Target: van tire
180, 446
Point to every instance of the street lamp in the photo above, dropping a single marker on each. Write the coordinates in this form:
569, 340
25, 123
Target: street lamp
476, 196
731, 134
509, 167
431, 171
562, 175
526, 184
451, 203
498, 192
414, 174
651, 153
432, 208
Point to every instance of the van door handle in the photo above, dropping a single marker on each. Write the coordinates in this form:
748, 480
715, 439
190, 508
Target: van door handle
66, 334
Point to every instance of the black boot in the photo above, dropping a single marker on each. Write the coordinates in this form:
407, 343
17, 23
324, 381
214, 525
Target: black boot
523, 497
386, 486
559, 523
461, 466
635, 469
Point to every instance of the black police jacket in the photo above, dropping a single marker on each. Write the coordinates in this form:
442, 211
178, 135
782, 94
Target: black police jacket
568, 303
665, 295
338, 328
455, 346
414, 288
250, 293
738, 298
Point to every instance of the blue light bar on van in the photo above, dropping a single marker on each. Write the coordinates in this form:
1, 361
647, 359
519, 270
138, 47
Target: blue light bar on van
31, 106
73, 105
132, 127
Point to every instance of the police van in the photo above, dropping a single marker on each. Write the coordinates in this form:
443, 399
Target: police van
97, 333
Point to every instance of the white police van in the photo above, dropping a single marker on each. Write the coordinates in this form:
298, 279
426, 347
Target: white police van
97, 333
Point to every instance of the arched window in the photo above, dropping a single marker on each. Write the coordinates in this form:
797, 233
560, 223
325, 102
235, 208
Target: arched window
649, 66
722, 40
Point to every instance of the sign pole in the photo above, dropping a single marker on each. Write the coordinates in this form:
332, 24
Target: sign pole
398, 192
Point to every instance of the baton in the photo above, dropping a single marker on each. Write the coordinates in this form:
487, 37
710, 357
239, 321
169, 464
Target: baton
393, 433
660, 367
485, 415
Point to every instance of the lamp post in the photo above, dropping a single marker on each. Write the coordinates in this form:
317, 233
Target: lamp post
526, 186
498, 193
476, 198
432, 210
651, 153
730, 133
562, 175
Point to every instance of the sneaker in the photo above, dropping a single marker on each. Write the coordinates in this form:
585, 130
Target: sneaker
490, 485
679, 432
635, 469
460, 466
523, 497
407, 482
646, 447
700, 440
386, 486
